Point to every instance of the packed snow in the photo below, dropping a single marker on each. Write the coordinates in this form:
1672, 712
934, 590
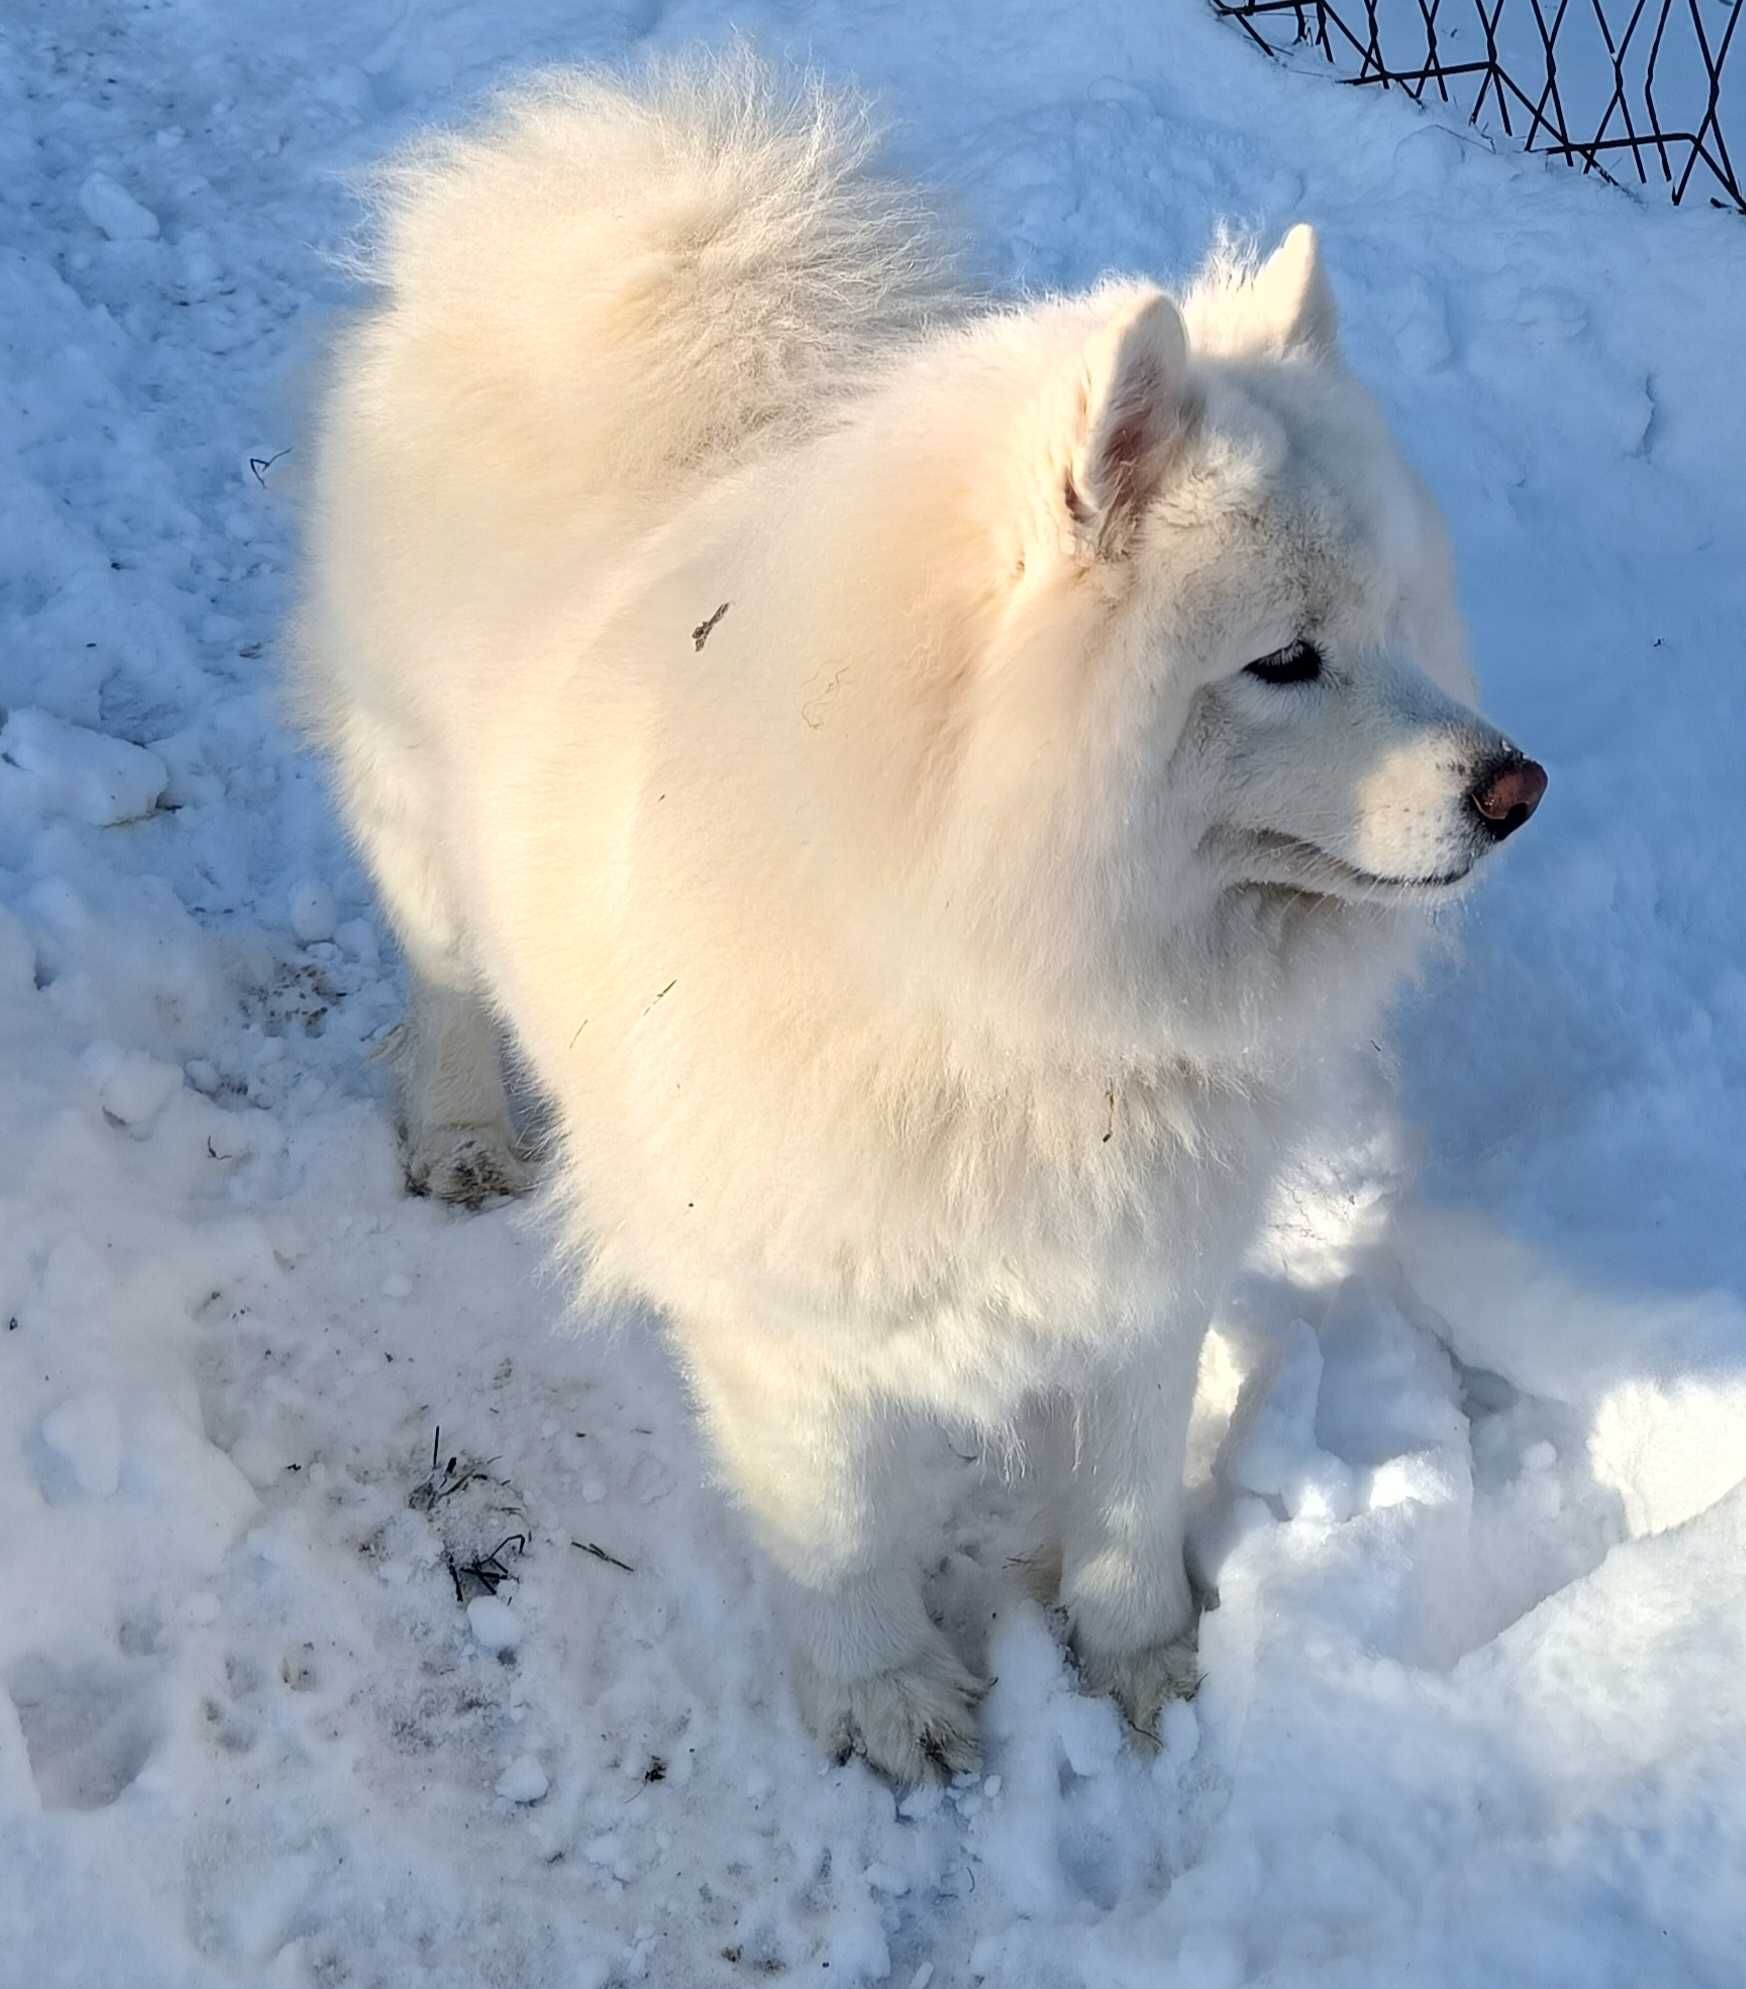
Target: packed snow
365, 1626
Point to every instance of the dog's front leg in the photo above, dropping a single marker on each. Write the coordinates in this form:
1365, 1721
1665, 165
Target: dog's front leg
826, 1473
1123, 1578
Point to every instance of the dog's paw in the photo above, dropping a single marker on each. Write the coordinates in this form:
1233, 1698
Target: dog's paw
1142, 1681
466, 1165
914, 1723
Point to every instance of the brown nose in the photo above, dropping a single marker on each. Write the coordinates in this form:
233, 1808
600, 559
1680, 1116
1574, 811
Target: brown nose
1506, 793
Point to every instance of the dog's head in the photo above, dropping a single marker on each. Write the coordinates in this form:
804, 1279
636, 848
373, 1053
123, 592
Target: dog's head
1228, 685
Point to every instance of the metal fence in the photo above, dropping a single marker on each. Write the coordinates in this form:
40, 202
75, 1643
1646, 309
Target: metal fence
1639, 93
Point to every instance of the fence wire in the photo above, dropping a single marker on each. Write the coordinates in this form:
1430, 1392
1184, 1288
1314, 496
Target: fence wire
1634, 91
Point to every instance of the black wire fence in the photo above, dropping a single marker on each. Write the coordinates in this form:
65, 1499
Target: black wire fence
1637, 91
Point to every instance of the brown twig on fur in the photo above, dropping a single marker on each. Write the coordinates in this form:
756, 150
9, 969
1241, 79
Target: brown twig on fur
700, 634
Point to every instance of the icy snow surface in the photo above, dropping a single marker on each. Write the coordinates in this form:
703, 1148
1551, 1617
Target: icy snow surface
1472, 1435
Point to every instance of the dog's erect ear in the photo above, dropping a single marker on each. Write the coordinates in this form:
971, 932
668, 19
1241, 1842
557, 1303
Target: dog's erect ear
1132, 411
1290, 303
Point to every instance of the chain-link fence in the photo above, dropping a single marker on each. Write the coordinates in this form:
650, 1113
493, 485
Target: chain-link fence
1638, 91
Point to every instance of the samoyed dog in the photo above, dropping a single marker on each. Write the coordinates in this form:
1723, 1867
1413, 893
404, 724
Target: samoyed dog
925, 783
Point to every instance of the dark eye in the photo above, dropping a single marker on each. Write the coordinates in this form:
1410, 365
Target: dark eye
1296, 663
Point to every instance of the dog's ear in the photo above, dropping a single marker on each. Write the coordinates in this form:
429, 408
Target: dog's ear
1291, 307
1132, 411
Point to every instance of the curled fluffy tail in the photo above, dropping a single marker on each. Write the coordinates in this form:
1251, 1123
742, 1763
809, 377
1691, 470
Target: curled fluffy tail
654, 272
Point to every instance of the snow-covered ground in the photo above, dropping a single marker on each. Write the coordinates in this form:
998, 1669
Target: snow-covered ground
1473, 1436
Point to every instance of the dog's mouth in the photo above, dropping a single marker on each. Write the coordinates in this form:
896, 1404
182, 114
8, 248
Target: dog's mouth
1297, 865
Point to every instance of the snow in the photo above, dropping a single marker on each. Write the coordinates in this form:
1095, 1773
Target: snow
312, 912
523, 1781
1470, 1479
85, 1435
69, 769
1273, 1450
132, 1087
494, 1623
109, 206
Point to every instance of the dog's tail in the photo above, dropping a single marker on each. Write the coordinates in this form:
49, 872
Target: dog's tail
655, 272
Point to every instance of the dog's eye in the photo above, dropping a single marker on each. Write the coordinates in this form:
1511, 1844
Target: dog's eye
1296, 663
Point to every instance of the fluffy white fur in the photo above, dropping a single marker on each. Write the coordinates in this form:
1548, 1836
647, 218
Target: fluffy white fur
811, 710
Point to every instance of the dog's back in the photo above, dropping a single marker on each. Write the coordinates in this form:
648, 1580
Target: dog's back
612, 291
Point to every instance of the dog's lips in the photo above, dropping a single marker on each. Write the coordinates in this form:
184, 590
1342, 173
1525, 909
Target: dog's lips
1333, 876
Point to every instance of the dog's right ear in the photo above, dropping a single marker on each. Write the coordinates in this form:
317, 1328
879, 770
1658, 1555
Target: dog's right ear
1132, 412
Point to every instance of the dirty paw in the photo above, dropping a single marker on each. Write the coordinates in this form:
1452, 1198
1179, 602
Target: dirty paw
1142, 1681
914, 1723
466, 1165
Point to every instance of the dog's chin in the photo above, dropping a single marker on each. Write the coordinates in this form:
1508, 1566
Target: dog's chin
1283, 865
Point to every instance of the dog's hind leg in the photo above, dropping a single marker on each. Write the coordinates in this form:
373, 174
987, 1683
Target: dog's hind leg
455, 1126
457, 1134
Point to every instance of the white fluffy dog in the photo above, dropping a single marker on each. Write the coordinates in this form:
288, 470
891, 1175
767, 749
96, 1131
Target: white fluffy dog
924, 782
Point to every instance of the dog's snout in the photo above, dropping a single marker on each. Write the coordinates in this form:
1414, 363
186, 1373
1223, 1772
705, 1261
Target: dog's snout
1506, 793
